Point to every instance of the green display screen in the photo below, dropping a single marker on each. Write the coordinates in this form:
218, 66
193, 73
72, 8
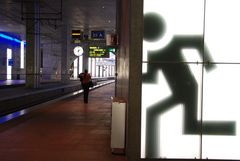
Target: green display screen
98, 52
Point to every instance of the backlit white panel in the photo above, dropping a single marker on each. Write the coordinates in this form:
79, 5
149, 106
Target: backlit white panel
9, 66
222, 29
22, 58
221, 103
221, 87
186, 117
97, 67
180, 42
80, 64
93, 67
172, 141
75, 66
89, 65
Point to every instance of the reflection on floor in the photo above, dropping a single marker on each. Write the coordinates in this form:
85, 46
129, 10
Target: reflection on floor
11, 82
66, 130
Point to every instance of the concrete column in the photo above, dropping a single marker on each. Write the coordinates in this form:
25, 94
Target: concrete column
85, 56
33, 45
129, 70
135, 75
65, 65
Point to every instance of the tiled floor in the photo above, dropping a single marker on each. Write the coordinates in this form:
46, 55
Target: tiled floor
67, 130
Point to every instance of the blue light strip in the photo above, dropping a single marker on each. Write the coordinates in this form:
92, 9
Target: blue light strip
12, 116
10, 38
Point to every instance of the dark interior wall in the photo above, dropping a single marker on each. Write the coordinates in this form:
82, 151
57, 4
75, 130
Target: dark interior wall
129, 69
135, 70
122, 85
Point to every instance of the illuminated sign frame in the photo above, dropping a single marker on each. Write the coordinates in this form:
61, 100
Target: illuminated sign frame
100, 34
77, 34
98, 52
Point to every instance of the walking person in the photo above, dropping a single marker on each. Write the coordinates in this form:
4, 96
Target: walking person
85, 79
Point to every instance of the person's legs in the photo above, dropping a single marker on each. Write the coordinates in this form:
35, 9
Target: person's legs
85, 93
85, 96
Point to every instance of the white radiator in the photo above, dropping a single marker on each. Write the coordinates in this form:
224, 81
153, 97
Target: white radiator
118, 123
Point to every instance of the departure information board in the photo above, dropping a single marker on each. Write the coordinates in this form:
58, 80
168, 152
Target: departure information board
98, 52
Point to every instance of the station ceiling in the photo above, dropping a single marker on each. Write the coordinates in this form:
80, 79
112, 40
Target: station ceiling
84, 15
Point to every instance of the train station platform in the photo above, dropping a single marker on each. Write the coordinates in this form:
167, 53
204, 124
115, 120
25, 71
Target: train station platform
63, 130
14, 96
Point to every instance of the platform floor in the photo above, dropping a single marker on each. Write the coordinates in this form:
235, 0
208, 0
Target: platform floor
66, 130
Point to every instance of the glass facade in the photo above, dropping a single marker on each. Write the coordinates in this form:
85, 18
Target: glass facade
191, 61
102, 67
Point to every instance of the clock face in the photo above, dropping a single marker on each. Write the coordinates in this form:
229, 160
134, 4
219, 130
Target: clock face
78, 50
